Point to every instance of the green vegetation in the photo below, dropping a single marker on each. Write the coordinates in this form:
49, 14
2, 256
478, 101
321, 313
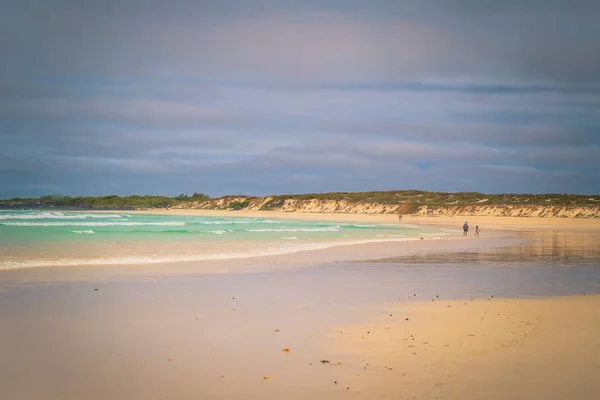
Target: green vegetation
238, 205
407, 201
195, 197
112, 202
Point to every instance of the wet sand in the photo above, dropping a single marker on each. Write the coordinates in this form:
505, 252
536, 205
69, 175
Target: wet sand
145, 333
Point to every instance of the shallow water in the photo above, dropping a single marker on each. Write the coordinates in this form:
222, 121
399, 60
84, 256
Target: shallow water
52, 238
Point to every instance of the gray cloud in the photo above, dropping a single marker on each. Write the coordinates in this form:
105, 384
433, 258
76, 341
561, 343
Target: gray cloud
268, 97
317, 42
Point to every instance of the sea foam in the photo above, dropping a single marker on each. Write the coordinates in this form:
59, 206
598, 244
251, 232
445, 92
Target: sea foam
335, 228
99, 223
57, 215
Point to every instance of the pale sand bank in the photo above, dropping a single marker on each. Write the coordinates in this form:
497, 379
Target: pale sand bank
496, 223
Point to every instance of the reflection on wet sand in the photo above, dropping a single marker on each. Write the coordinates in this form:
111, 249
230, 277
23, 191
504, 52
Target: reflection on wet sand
537, 248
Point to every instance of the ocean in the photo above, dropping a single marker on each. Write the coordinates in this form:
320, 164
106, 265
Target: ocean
32, 238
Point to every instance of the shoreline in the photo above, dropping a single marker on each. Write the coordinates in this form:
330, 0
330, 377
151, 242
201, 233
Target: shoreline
297, 259
420, 318
497, 232
180, 255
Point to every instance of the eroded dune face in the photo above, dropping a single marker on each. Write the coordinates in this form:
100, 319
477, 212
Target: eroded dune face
404, 205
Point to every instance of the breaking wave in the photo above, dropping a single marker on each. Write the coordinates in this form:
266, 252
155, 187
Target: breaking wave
57, 215
85, 223
335, 228
236, 222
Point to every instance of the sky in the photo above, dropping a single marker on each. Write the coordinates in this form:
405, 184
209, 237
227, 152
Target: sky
271, 97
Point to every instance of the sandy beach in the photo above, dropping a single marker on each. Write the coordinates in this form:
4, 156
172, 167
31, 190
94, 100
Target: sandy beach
299, 200
512, 314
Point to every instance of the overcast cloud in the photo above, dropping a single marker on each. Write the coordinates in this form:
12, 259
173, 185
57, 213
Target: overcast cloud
263, 97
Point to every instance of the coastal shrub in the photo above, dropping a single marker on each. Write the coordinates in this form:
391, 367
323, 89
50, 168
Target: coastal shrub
238, 205
199, 196
407, 201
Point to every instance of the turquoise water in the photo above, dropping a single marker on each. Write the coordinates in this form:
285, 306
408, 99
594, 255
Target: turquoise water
41, 238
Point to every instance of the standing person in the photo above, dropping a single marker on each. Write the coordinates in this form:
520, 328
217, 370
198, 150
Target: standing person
477, 230
466, 229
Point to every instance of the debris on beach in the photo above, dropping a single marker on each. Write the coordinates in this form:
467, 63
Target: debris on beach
286, 350
267, 378
324, 361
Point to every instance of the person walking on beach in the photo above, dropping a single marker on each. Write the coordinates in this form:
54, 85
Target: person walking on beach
465, 229
477, 230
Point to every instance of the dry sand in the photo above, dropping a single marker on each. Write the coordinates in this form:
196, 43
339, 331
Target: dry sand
477, 349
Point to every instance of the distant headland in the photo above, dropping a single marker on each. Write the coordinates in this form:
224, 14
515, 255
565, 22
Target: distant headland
376, 202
